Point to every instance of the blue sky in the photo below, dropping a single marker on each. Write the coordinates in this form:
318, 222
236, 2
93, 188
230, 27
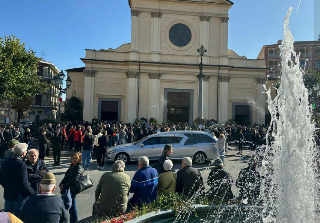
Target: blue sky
63, 29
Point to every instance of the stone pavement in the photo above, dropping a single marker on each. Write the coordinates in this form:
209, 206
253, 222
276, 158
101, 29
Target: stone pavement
85, 200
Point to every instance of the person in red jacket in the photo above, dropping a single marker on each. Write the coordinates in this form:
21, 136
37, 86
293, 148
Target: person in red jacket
77, 139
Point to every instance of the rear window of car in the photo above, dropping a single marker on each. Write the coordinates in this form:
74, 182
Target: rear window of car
198, 138
170, 140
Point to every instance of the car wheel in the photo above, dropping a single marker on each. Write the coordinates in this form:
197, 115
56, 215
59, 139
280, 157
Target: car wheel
123, 156
200, 158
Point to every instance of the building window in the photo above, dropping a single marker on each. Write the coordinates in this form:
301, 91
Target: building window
317, 64
303, 52
45, 72
317, 52
273, 53
273, 64
180, 35
38, 100
304, 63
40, 71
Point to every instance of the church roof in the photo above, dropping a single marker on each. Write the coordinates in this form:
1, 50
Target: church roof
124, 48
233, 54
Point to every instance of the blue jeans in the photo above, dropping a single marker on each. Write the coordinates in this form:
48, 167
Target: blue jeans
221, 153
73, 211
15, 207
86, 156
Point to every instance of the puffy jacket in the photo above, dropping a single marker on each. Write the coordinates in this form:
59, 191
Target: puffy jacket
167, 183
37, 170
189, 181
72, 174
144, 185
88, 142
14, 179
219, 182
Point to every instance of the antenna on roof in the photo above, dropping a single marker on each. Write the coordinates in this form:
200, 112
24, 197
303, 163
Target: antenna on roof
42, 55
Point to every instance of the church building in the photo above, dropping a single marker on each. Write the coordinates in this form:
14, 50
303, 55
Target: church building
155, 76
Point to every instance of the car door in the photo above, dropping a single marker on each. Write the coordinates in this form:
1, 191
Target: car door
174, 141
147, 148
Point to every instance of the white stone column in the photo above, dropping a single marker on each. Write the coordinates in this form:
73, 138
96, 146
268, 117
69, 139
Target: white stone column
204, 36
223, 99
206, 96
132, 96
88, 95
134, 35
155, 36
224, 41
154, 96
261, 101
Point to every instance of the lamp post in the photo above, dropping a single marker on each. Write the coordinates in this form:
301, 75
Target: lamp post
57, 82
200, 76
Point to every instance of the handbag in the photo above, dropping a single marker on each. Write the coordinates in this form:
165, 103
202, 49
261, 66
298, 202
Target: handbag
83, 183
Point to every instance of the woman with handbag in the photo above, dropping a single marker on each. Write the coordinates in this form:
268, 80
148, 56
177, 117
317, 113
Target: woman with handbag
73, 174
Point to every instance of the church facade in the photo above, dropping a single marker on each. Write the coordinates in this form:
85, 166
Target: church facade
155, 76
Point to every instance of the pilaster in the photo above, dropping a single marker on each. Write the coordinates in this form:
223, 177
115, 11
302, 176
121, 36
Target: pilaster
204, 36
88, 95
132, 96
154, 96
206, 97
155, 36
224, 41
223, 100
134, 35
261, 101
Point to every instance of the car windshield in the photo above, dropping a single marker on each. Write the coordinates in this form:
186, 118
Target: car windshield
137, 142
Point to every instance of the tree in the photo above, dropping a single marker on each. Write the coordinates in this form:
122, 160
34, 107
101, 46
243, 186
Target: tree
311, 78
73, 110
319, 37
19, 83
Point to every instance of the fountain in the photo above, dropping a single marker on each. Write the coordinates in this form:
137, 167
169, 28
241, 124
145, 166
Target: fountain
289, 189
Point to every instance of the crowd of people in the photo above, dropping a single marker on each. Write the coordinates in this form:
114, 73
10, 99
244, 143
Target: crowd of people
29, 185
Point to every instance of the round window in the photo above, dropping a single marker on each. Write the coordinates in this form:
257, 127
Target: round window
180, 35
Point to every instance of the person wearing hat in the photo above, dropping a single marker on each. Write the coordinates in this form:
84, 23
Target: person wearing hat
219, 182
14, 180
249, 182
45, 206
9, 153
166, 153
167, 179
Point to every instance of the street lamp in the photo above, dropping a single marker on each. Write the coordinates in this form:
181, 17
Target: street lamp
57, 82
200, 76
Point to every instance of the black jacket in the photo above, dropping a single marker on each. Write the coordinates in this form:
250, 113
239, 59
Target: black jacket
35, 170
103, 142
43, 142
44, 208
159, 165
130, 137
72, 174
189, 181
14, 179
87, 142
219, 182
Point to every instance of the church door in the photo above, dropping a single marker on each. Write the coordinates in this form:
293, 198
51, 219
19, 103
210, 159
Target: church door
242, 114
178, 107
110, 110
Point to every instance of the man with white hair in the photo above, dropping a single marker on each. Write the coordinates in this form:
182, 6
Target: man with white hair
45, 207
144, 183
189, 179
36, 169
167, 179
112, 191
14, 179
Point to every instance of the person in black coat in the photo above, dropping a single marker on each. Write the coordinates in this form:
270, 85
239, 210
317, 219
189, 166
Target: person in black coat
166, 153
219, 182
36, 169
43, 144
45, 207
27, 136
88, 141
103, 142
14, 180
189, 179
74, 172
130, 136
56, 147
